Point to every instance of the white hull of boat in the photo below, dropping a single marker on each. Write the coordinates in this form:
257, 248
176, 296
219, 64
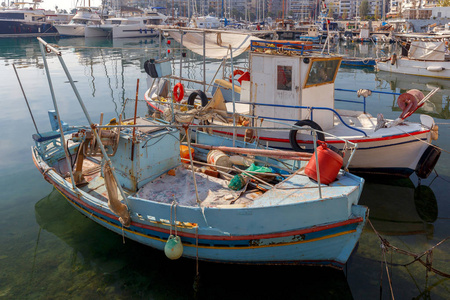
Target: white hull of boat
130, 31
97, 31
70, 30
439, 69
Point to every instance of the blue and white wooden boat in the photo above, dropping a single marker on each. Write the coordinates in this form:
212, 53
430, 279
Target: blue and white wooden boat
160, 202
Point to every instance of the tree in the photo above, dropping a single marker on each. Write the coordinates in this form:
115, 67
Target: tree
443, 3
364, 9
330, 10
344, 14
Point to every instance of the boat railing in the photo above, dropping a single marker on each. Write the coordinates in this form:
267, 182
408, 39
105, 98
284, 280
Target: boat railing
310, 108
359, 93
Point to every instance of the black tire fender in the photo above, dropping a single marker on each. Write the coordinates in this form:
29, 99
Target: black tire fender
194, 95
307, 123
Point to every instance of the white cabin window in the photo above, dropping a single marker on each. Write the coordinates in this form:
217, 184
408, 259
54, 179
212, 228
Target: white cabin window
284, 78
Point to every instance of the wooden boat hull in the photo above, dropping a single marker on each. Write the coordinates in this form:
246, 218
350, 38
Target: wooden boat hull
281, 234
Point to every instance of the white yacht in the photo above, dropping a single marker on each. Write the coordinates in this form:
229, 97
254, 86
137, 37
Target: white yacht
84, 16
127, 27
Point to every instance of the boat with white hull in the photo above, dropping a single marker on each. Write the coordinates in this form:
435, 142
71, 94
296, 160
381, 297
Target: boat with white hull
127, 27
84, 16
422, 59
303, 93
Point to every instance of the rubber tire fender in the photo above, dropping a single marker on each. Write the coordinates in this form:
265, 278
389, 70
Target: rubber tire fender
194, 95
293, 134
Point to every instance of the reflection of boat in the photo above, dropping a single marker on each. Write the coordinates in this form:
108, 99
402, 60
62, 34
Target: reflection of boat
145, 193
422, 58
84, 16
397, 207
438, 106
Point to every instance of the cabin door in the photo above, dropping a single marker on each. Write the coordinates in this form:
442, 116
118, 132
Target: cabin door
286, 89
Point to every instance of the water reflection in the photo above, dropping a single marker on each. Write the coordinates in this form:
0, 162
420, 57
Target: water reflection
438, 106
399, 208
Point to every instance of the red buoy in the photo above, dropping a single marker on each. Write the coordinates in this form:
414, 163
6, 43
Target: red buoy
329, 164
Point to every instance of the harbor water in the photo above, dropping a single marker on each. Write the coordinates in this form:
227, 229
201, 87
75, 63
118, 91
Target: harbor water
48, 250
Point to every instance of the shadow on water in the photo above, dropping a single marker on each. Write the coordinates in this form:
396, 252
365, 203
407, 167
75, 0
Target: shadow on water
398, 207
132, 270
405, 216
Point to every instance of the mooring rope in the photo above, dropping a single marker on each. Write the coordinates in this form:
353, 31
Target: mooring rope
417, 257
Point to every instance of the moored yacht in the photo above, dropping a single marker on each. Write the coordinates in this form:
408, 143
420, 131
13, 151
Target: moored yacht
127, 27
84, 16
25, 19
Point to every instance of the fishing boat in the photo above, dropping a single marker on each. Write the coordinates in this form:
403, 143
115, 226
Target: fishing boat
294, 84
131, 179
424, 57
84, 16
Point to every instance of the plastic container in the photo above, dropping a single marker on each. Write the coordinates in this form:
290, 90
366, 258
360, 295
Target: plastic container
219, 160
329, 164
240, 160
184, 153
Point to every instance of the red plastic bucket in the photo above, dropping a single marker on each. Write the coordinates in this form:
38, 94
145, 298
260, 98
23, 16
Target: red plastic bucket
329, 164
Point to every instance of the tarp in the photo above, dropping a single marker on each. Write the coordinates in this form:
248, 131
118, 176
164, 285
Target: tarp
427, 50
216, 43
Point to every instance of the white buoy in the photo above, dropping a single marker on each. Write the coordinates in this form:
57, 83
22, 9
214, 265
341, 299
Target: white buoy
173, 248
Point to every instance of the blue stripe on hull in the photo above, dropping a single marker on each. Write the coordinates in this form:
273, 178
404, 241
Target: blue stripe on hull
330, 244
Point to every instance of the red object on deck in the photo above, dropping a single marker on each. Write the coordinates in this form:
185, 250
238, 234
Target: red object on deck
244, 77
329, 164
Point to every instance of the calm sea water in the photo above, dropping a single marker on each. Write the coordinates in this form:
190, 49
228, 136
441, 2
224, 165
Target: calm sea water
50, 251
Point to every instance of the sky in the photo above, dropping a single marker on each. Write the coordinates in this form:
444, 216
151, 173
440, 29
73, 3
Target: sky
67, 4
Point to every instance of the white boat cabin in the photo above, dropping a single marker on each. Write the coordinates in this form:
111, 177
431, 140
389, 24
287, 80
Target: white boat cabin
291, 80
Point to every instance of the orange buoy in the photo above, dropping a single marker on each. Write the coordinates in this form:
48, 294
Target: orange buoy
184, 153
329, 164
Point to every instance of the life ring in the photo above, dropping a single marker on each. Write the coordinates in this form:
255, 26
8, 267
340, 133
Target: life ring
236, 72
194, 95
293, 134
177, 96
393, 59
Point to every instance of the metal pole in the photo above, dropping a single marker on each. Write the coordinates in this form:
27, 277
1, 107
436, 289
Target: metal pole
204, 60
181, 54
55, 105
233, 97
26, 100
86, 113
317, 162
